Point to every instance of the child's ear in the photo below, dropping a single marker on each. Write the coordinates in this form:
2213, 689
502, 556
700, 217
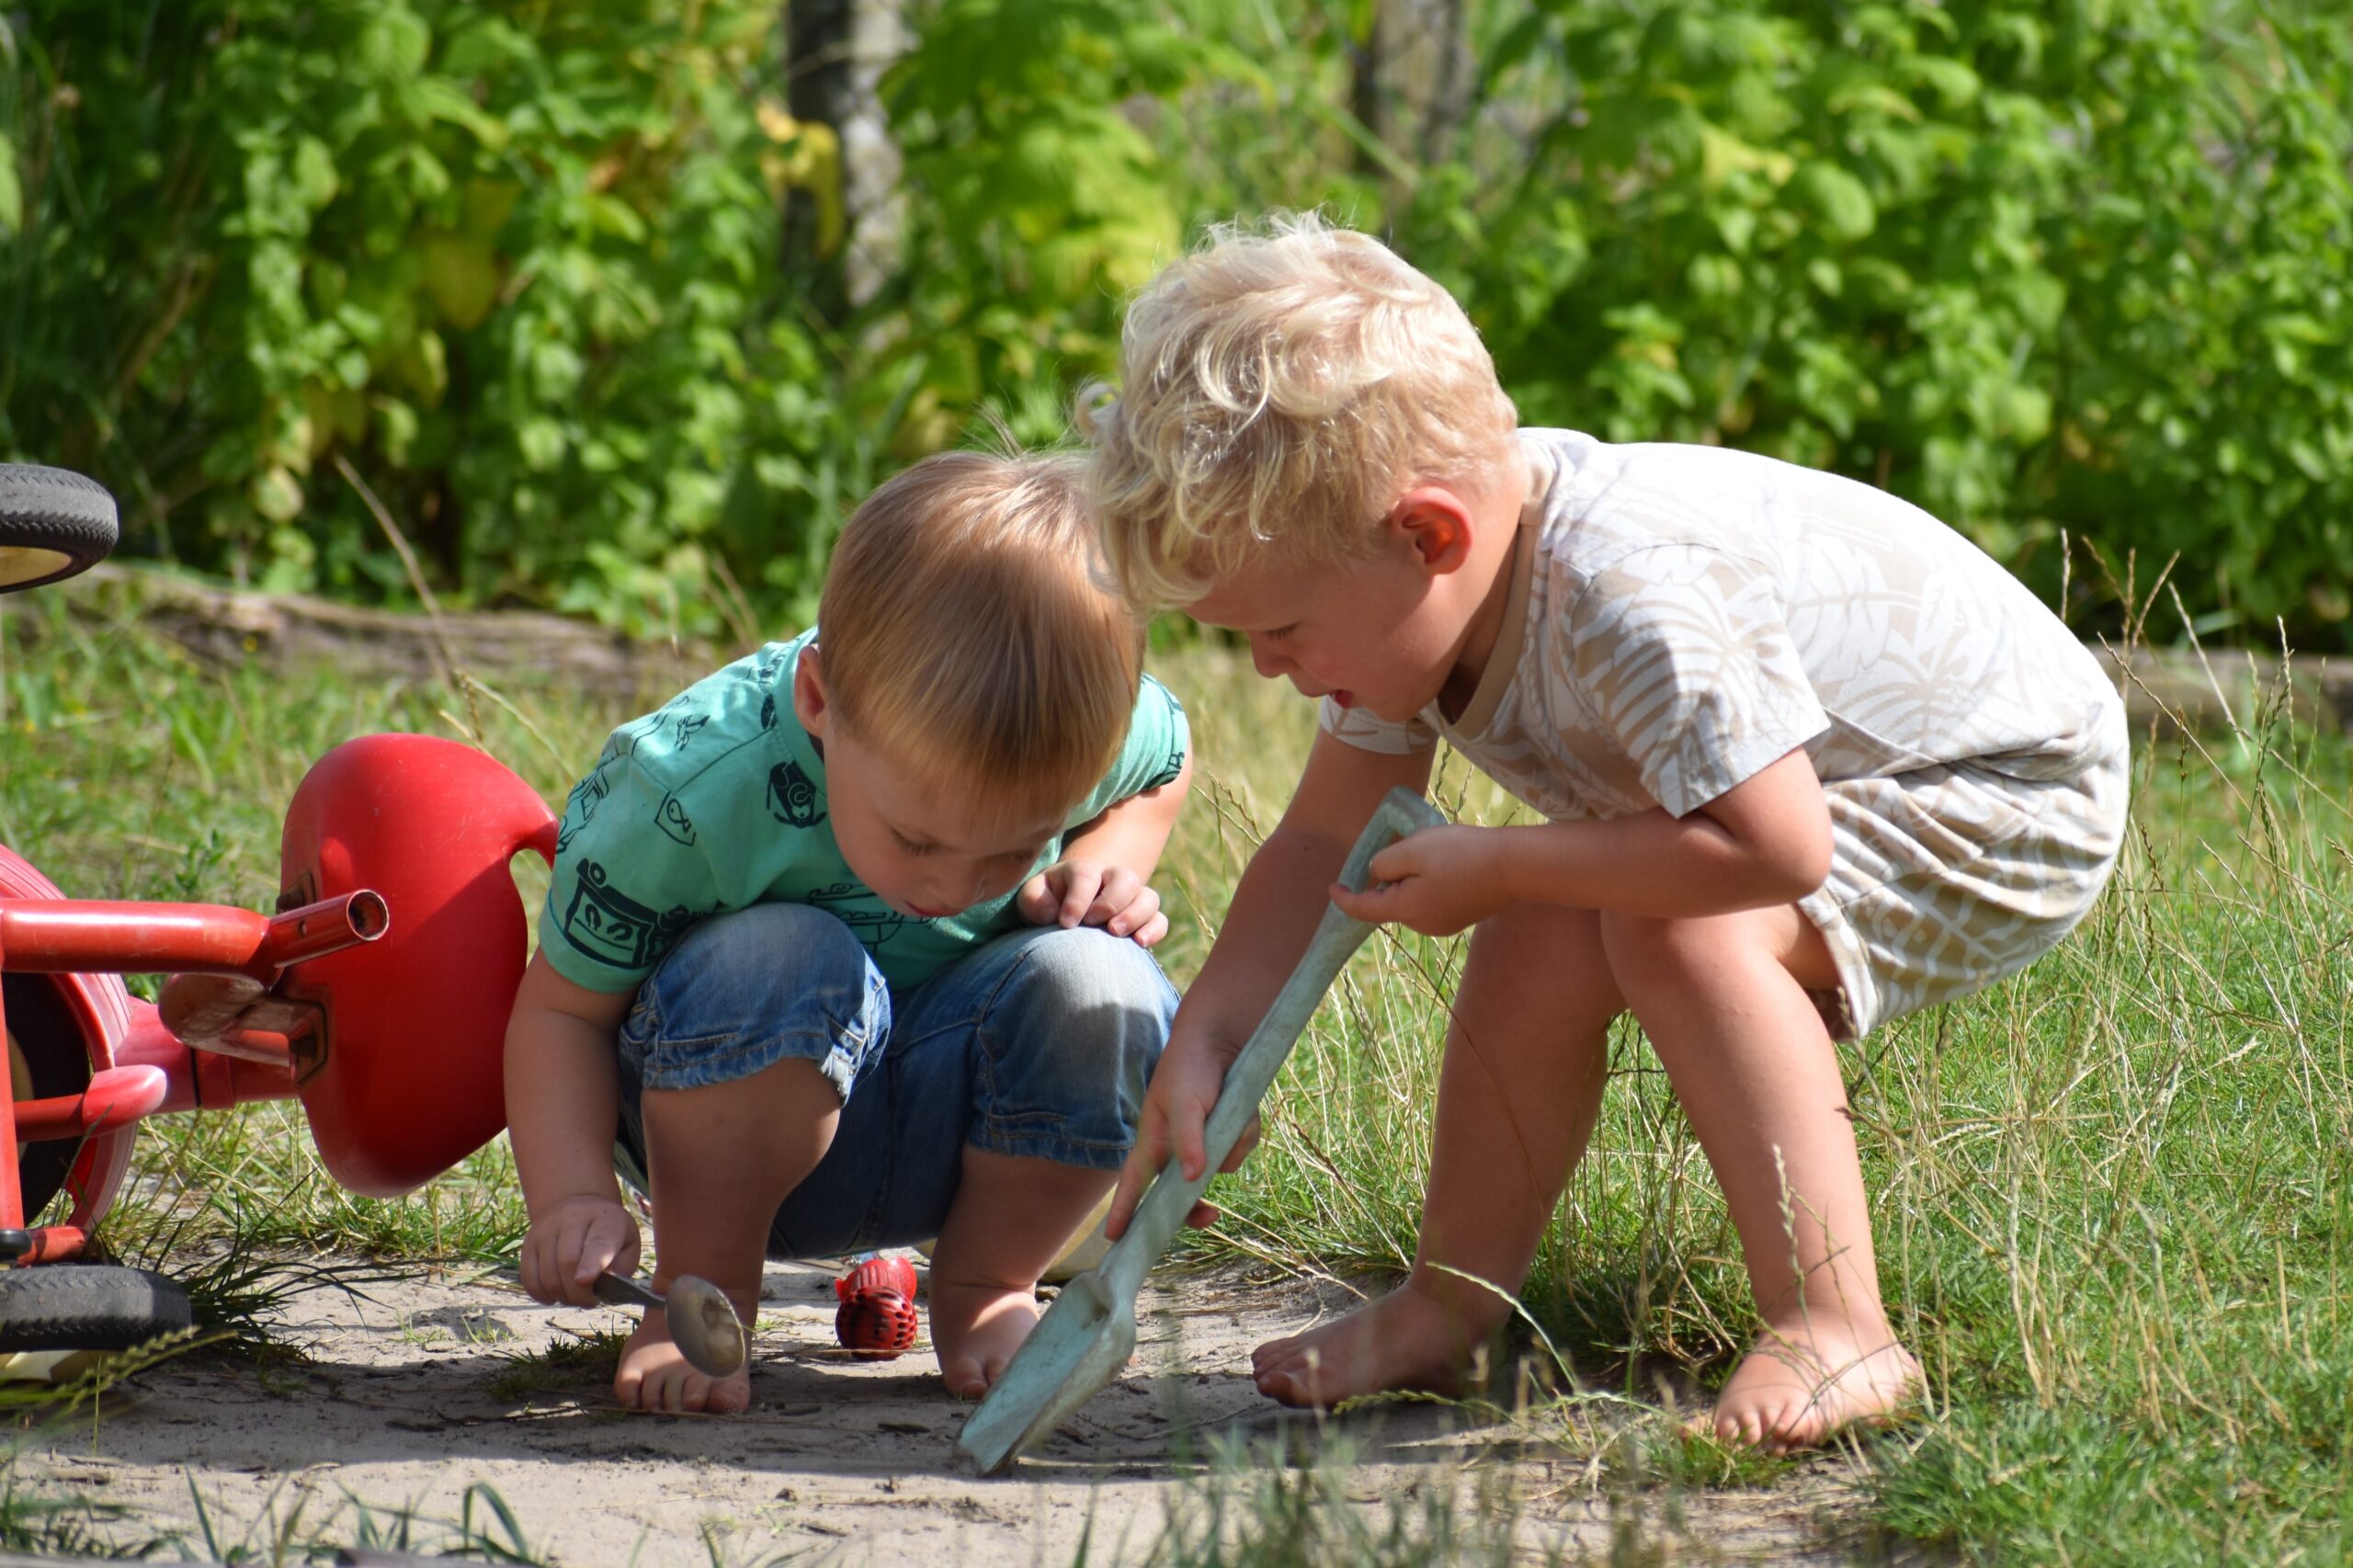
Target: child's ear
1435, 523
809, 704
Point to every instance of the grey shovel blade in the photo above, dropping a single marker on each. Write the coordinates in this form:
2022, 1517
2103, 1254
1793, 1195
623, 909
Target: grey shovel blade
1078, 1345
1089, 1332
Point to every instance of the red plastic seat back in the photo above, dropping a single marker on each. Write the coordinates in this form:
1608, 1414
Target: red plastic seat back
406, 1080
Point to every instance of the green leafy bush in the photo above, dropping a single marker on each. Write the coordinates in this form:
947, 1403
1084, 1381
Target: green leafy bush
2052, 271
514, 261
2040, 268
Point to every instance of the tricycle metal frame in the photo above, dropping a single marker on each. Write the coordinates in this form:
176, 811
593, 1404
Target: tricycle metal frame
150, 1070
377, 994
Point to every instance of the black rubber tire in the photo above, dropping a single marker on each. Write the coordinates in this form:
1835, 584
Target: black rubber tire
45, 510
59, 1059
88, 1306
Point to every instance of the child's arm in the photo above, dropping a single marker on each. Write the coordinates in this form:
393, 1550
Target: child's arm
1104, 873
562, 1102
1274, 912
1764, 841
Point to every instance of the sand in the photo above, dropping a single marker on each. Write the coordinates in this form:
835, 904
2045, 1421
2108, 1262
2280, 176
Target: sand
406, 1402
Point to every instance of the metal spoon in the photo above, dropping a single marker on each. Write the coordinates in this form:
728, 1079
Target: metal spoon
703, 1324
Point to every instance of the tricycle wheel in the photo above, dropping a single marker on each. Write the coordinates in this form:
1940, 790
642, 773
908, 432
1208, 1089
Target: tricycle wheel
88, 1306
54, 523
47, 1058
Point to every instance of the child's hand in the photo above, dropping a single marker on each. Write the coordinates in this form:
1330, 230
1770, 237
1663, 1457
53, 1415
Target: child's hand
1083, 892
1437, 881
1184, 1088
573, 1241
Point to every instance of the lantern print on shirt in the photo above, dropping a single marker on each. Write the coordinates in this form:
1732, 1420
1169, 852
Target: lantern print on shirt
609, 926
792, 797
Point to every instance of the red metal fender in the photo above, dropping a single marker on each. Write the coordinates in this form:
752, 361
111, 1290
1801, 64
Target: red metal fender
101, 1009
402, 1078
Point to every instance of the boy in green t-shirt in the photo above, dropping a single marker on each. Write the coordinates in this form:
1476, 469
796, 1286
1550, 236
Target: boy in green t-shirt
847, 940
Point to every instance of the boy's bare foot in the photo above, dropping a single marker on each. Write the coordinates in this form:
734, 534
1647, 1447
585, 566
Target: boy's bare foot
653, 1375
975, 1329
1408, 1339
1802, 1382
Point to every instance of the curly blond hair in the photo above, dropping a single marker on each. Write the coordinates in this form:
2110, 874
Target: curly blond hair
1280, 387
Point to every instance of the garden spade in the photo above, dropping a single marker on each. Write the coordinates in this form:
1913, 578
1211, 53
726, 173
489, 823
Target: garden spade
1088, 1334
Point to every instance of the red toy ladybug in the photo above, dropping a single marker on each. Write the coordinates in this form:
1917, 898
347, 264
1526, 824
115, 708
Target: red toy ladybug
877, 1316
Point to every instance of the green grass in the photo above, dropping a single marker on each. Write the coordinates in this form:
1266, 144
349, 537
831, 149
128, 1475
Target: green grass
582, 1362
1260, 1507
295, 1525
306, 1527
2109, 1195
127, 770
67, 1525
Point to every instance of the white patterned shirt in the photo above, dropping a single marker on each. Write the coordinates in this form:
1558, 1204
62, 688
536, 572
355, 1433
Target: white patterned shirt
1682, 617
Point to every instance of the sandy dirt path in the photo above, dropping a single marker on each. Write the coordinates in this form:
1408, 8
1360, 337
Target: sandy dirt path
400, 1405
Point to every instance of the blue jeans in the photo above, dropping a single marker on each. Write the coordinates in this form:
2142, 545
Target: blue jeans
1037, 1044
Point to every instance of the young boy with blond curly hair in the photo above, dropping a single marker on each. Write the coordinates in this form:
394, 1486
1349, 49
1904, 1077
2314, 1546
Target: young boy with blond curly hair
1807, 760
847, 942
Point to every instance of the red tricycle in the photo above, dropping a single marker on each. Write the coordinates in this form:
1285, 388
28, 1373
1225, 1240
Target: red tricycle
376, 993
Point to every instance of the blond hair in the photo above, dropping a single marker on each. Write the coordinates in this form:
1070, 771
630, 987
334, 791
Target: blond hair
1280, 387
965, 631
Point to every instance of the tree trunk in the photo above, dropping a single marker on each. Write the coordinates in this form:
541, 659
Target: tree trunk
836, 52
1412, 82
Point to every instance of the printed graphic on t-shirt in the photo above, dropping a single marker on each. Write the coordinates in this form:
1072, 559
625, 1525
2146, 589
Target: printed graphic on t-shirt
871, 921
579, 807
620, 743
792, 797
673, 820
1175, 765
763, 668
609, 926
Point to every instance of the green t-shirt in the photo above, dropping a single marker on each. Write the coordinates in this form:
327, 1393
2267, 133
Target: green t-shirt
717, 801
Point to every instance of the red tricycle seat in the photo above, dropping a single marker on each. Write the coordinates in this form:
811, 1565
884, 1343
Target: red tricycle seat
403, 1079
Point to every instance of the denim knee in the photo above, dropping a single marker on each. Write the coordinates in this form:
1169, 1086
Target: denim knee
1066, 1044
745, 990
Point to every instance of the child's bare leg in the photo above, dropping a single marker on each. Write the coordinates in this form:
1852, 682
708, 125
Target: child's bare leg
720, 1159
1526, 1059
1009, 1220
1017, 1069
1724, 1001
